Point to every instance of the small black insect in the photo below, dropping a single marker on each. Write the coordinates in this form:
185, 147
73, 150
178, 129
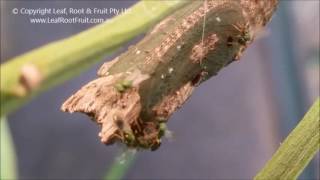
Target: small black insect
244, 37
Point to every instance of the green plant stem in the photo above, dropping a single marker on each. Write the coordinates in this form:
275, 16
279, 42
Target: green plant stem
120, 167
297, 150
8, 167
64, 59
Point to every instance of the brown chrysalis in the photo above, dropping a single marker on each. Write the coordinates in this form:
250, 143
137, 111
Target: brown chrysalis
136, 93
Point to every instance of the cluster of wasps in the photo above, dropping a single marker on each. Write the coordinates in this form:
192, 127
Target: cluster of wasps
147, 138
243, 38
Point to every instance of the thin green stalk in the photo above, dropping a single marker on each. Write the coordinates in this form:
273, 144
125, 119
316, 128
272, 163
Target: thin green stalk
8, 167
297, 150
120, 166
61, 60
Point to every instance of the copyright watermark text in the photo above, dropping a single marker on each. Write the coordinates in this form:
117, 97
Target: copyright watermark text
67, 15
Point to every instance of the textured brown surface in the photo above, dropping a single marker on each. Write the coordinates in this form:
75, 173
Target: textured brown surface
141, 88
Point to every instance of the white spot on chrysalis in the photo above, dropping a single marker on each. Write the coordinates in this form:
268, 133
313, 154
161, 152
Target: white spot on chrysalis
170, 70
138, 52
218, 19
178, 47
162, 76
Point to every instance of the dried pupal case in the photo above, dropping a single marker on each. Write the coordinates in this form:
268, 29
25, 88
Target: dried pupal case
135, 94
